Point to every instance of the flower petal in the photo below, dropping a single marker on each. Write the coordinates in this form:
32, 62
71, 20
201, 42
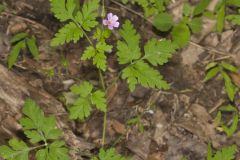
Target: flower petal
116, 24
105, 22
109, 16
114, 18
110, 27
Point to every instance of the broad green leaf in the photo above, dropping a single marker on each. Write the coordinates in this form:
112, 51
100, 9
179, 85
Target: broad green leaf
18, 150
229, 87
98, 99
211, 73
143, 74
128, 50
181, 34
187, 9
13, 55
18, 37
32, 46
229, 67
163, 21
200, 7
102, 34
196, 24
158, 52
235, 19
70, 32
220, 18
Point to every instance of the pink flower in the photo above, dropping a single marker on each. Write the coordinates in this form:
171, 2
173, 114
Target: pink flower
111, 21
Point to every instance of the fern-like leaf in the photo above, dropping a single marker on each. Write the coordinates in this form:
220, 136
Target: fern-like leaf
142, 73
128, 50
158, 52
70, 32
62, 9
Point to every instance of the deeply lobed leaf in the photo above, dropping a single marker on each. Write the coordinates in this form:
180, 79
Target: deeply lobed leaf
142, 73
128, 50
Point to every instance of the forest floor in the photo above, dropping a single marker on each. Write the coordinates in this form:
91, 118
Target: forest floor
170, 124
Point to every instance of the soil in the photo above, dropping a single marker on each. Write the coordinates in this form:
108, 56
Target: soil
177, 123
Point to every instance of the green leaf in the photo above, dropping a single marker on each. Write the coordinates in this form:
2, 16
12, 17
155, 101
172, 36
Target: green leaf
231, 130
163, 21
210, 65
102, 34
228, 108
110, 154
18, 150
18, 37
81, 109
158, 52
98, 54
100, 61
88, 53
187, 9
34, 136
83, 89
209, 151
226, 153
98, 98
32, 46
89, 14
196, 25
128, 50
200, 7
82, 106
2, 8
211, 73
63, 10
55, 151
181, 34
36, 126
235, 19
70, 32
229, 87
12, 58
220, 18
233, 2
143, 74
229, 67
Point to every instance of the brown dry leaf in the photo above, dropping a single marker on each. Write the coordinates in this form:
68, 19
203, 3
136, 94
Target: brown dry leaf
17, 27
155, 156
139, 144
236, 78
161, 126
118, 127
